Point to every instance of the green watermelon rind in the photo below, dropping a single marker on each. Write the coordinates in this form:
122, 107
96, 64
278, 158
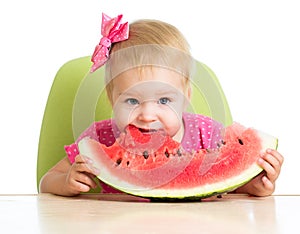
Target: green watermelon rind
204, 191
201, 192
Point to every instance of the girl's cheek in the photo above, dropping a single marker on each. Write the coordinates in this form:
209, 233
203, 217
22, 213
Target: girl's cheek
123, 117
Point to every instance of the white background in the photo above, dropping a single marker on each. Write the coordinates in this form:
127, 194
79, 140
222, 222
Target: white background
252, 46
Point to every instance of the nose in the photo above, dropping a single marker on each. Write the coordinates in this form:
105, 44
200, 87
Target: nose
148, 111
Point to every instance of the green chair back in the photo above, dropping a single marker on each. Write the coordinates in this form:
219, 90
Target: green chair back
76, 100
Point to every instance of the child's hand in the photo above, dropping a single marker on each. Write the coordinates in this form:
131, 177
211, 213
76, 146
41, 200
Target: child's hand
80, 176
264, 183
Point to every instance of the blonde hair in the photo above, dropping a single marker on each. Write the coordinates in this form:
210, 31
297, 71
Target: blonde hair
148, 31
150, 43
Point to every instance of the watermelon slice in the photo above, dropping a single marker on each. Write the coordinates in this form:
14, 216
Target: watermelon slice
152, 165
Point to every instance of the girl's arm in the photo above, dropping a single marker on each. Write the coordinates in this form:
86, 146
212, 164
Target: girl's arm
68, 179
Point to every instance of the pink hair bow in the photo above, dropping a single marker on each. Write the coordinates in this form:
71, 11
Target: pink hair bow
112, 30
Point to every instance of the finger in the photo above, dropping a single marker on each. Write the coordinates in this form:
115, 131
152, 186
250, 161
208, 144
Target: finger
86, 168
268, 184
74, 184
277, 155
85, 164
270, 171
81, 182
80, 187
86, 179
274, 159
93, 183
83, 159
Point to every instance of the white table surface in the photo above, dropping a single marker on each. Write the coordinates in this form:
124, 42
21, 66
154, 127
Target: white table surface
46, 213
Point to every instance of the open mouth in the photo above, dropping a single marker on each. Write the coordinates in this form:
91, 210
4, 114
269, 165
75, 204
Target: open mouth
143, 130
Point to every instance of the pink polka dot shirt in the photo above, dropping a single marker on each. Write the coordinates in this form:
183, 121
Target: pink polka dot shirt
200, 132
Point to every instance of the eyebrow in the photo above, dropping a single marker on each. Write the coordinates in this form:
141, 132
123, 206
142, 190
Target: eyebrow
167, 92
159, 92
128, 93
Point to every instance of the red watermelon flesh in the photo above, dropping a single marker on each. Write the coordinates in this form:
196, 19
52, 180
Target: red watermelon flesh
153, 165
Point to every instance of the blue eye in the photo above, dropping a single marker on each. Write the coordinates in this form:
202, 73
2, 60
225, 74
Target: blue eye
164, 100
132, 101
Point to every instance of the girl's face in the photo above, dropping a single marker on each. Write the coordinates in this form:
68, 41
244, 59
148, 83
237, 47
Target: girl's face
150, 98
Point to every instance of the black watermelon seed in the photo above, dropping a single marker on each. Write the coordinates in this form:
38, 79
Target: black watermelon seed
179, 153
240, 141
167, 154
127, 163
119, 161
145, 154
